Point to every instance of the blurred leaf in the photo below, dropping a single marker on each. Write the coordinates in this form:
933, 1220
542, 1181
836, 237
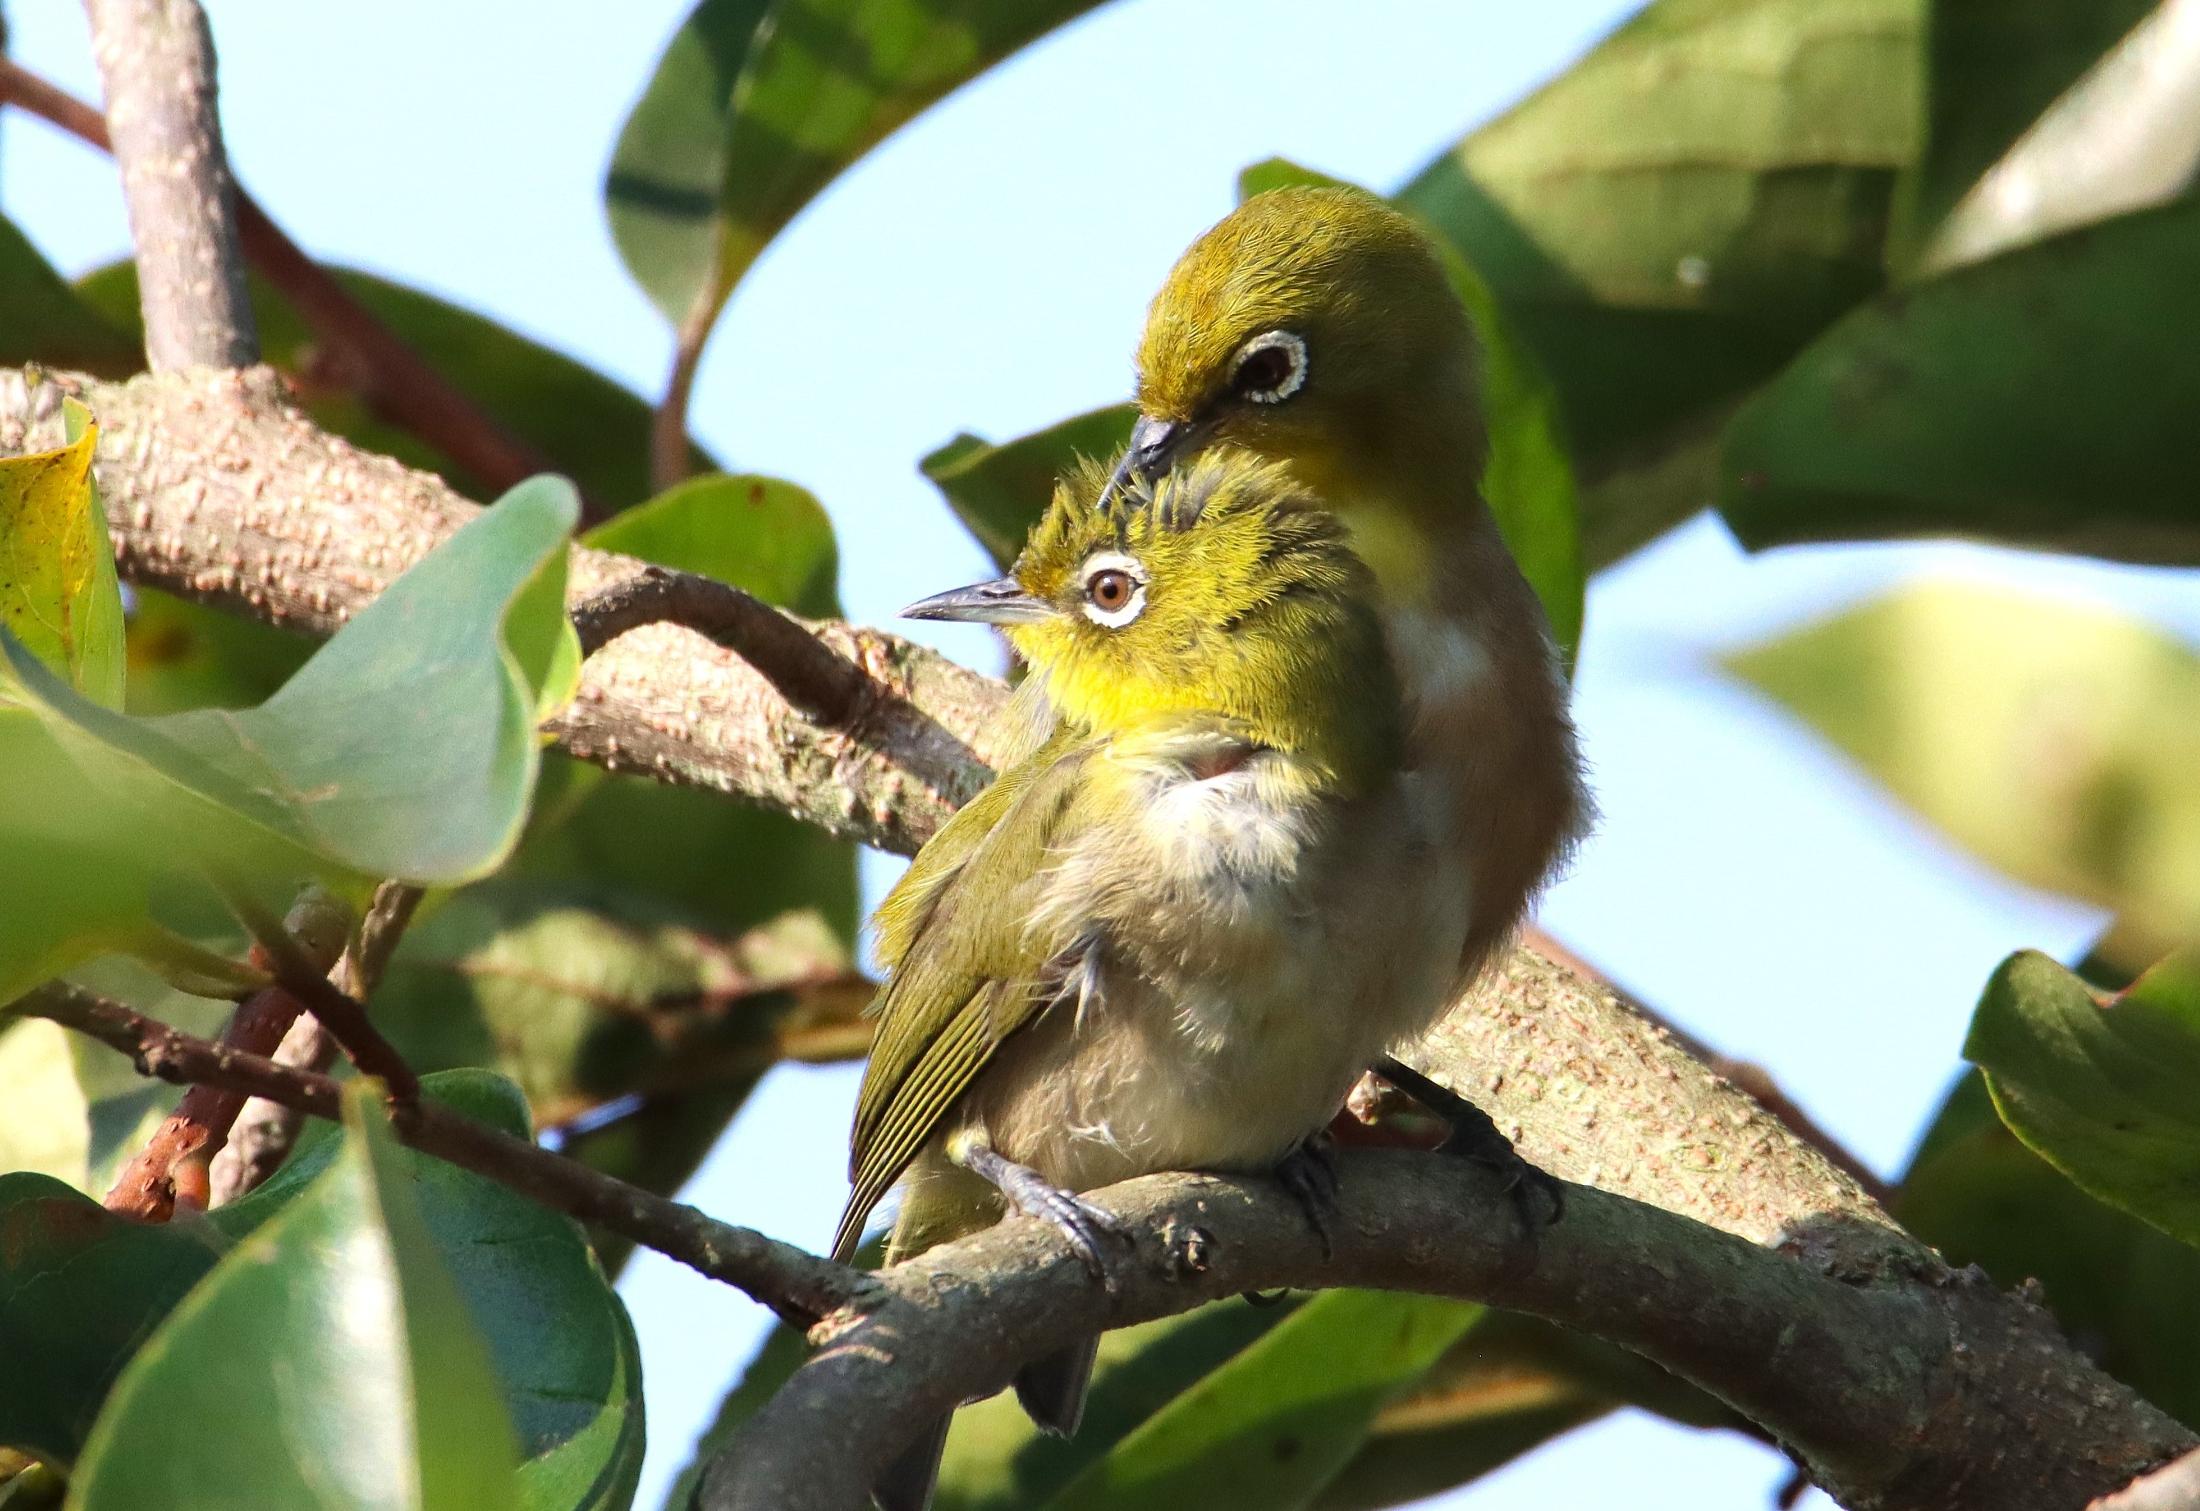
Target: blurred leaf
1528, 481
996, 1460
2126, 1293
999, 492
753, 110
1275, 1423
58, 594
42, 320
582, 1003
2103, 1089
47, 1126
405, 747
327, 1359
2042, 398
768, 537
80, 1290
592, 429
1668, 221
186, 655
782, 1352
1511, 1384
2055, 741
2010, 159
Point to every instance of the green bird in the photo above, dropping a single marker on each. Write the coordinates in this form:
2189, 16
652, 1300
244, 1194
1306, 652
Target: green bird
1175, 934
1316, 328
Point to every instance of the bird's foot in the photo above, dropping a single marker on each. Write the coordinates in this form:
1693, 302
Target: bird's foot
1475, 1137
1309, 1173
1087, 1226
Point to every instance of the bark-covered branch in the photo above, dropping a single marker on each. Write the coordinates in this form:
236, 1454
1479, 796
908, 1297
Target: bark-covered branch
218, 491
800, 1286
156, 62
1924, 1393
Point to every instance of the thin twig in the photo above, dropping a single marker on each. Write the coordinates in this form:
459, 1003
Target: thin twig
809, 674
373, 361
265, 1132
799, 1286
175, 1166
343, 1015
156, 60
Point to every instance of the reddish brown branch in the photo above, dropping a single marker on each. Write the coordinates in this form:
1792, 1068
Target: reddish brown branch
344, 1016
395, 381
799, 1286
173, 1167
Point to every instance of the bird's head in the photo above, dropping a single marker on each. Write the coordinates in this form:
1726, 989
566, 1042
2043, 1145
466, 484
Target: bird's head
1218, 588
1315, 326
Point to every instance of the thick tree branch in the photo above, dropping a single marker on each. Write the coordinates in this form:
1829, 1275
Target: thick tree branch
156, 60
1888, 1388
799, 1286
217, 491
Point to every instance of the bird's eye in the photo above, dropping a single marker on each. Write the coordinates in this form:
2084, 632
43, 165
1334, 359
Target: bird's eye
1110, 591
1115, 590
1269, 368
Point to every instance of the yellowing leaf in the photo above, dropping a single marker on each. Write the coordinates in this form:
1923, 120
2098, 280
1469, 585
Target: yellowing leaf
57, 573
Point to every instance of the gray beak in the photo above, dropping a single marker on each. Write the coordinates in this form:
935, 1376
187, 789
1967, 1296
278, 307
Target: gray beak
1153, 444
1002, 601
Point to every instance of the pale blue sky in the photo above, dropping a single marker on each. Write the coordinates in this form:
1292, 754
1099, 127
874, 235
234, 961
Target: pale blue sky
986, 270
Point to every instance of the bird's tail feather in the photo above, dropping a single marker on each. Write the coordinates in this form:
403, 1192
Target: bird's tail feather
907, 1483
1052, 1387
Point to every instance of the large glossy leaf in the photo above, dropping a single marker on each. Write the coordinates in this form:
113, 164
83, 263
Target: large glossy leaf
753, 109
999, 492
405, 747
185, 655
42, 320
590, 428
2056, 741
1274, 1424
58, 594
1668, 221
80, 1290
327, 1359
2103, 1089
1994, 69
2043, 397
2130, 1292
1528, 481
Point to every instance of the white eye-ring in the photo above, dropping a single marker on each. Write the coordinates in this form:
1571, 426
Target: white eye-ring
1115, 589
1269, 368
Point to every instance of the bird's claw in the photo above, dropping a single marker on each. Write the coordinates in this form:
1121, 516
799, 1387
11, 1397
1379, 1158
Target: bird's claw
1085, 1224
1309, 1173
1475, 1137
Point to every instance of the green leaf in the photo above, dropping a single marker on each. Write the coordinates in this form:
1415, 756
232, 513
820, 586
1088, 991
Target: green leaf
1528, 481
1995, 70
2042, 398
2128, 1290
80, 1290
58, 594
43, 321
185, 655
996, 1460
47, 1126
1000, 492
1668, 221
2055, 741
2103, 1089
753, 110
327, 1359
767, 537
1275, 1424
405, 747
590, 428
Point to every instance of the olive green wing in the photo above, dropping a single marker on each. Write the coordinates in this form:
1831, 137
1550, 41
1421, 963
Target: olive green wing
901, 916
971, 973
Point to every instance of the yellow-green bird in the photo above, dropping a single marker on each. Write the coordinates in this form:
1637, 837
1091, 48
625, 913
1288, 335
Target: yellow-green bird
1315, 327
1175, 934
